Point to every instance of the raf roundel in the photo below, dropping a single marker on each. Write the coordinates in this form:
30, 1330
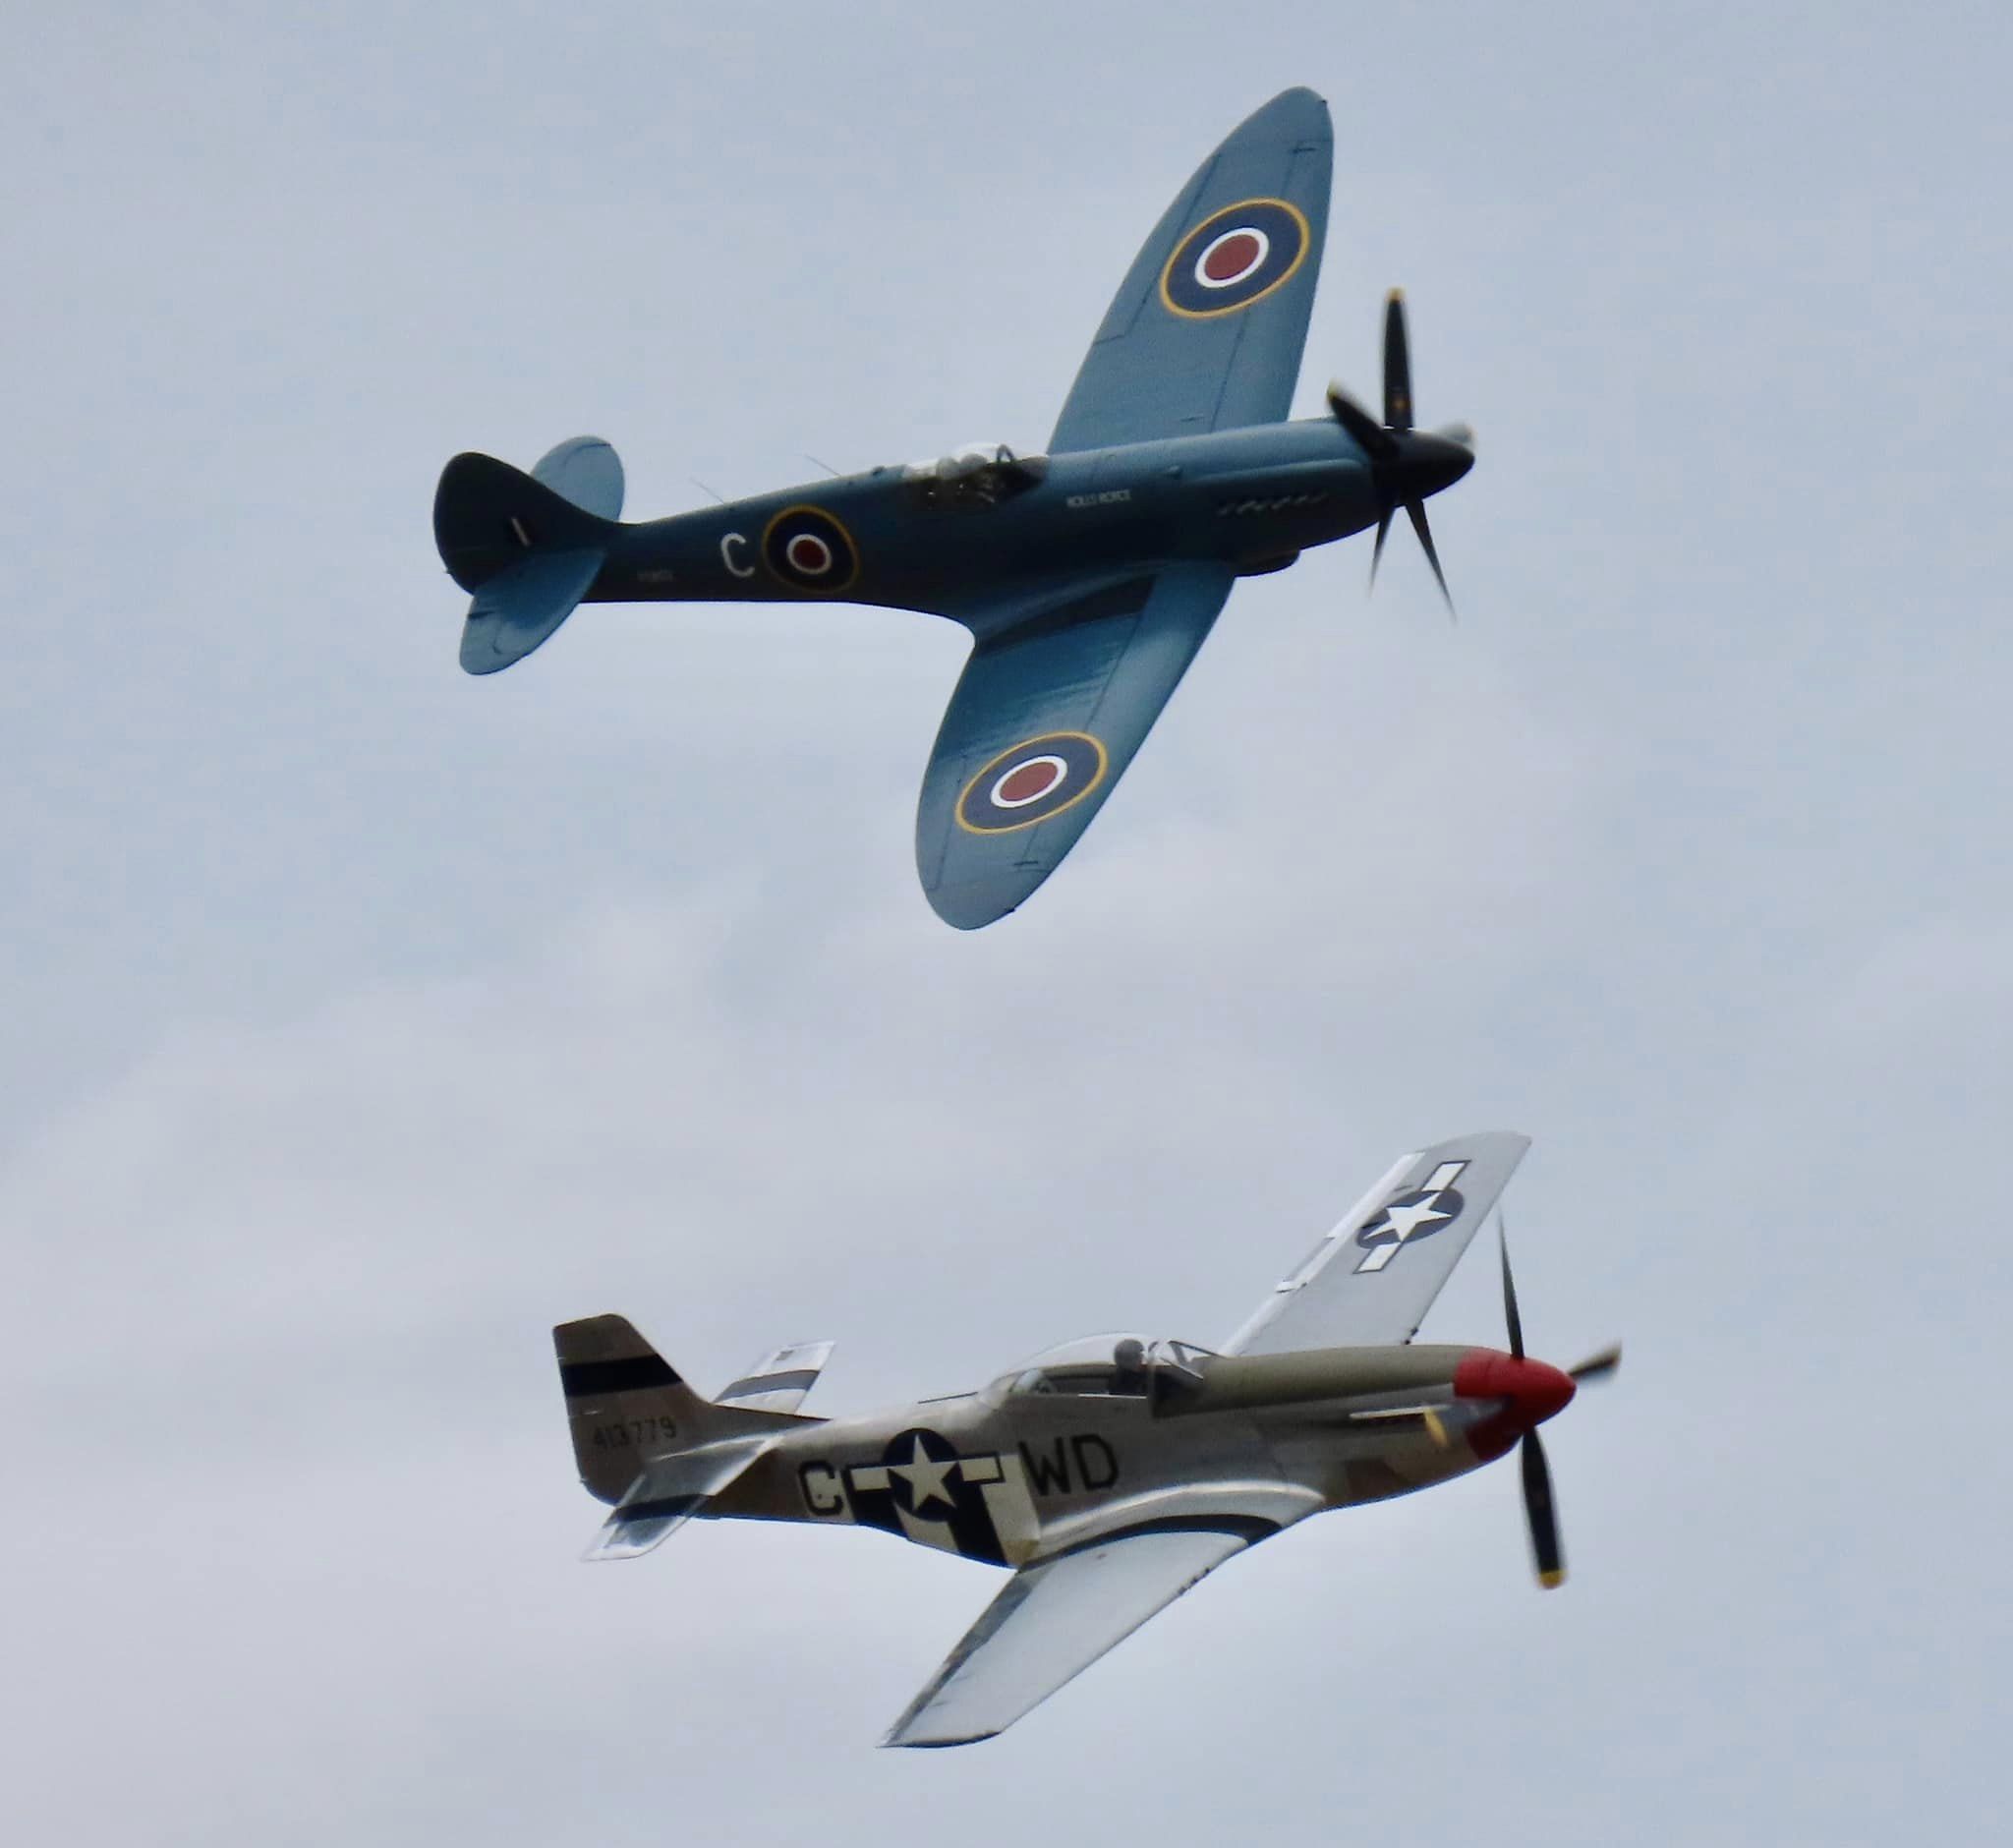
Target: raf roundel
807, 548
1233, 258
1034, 779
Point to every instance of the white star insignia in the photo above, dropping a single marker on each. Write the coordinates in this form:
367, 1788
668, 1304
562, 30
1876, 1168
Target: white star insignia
1403, 1220
926, 1478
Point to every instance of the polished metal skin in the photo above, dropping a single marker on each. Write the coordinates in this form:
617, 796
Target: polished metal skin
1112, 1473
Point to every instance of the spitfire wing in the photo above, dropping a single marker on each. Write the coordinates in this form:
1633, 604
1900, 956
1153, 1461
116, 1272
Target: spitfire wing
1371, 1280
1059, 693
1206, 331
1056, 1617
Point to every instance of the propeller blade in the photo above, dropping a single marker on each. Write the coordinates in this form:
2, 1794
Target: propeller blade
1377, 551
1417, 510
1598, 1365
1396, 364
1378, 443
1543, 1516
1510, 1316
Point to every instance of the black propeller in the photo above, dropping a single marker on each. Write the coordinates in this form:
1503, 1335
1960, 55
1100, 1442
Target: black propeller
1406, 465
1540, 1510
1597, 1366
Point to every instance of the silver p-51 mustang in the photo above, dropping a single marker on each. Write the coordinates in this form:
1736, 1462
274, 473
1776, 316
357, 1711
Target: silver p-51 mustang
1111, 1474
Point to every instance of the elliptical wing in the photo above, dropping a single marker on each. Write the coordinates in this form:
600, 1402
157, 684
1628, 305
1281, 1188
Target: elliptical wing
1206, 331
1059, 693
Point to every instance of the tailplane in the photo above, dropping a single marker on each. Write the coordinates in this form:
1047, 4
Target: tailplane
529, 545
778, 1381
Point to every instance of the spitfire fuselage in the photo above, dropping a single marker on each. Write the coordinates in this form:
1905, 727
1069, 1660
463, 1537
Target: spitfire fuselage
1029, 1466
1250, 498
1089, 578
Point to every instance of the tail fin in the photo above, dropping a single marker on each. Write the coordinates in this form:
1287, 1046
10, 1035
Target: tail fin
530, 545
624, 1402
628, 1409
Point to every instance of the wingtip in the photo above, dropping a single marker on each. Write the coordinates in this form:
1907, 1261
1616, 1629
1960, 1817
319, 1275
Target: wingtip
892, 1740
972, 904
970, 921
1276, 111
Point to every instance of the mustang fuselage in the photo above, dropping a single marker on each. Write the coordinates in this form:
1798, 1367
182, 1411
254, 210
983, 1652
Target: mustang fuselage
1050, 1457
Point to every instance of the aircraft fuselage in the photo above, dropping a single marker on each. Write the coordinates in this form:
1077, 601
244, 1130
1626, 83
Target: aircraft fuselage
1252, 498
1004, 1473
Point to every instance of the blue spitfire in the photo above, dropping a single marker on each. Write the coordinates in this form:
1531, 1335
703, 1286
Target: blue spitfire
1089, 577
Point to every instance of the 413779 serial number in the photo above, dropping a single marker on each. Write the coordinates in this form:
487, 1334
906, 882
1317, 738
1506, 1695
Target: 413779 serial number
634, 1433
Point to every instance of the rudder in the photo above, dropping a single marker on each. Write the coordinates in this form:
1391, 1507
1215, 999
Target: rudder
530, 546
487, 516
624, 1402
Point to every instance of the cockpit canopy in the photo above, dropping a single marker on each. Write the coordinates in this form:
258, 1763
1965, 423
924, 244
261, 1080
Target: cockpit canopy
978, 475
1102, 1366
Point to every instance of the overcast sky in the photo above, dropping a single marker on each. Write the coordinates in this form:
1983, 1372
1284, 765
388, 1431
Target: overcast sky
363, 1020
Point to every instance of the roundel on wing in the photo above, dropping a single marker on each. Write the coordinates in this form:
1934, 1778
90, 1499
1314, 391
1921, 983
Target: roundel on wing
1030, 782
807, 548
1233, 258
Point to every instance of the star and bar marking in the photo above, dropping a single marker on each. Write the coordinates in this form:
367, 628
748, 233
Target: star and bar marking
1416, 1213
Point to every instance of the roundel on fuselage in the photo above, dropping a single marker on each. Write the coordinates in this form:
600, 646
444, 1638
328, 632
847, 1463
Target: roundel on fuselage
807, 548
1233, 258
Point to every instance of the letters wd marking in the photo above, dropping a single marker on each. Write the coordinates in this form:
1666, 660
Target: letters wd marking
1233, 258
1048, 1471
1030, 782
1417, 1213
807, 548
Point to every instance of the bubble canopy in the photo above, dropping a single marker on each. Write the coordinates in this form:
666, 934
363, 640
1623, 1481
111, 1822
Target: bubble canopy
1102, 1366
978, 475
968, 459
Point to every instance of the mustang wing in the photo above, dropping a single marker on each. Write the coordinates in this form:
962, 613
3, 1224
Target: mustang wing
1206, 331
1059, 693
1371, 1280
1056, 1617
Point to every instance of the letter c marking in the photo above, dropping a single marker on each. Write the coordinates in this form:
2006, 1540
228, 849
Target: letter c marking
727, 543
820, 1484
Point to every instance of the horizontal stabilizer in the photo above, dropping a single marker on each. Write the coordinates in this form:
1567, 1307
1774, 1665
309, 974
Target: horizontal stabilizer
778, 1381
518, 608
669, 1493
587, 471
